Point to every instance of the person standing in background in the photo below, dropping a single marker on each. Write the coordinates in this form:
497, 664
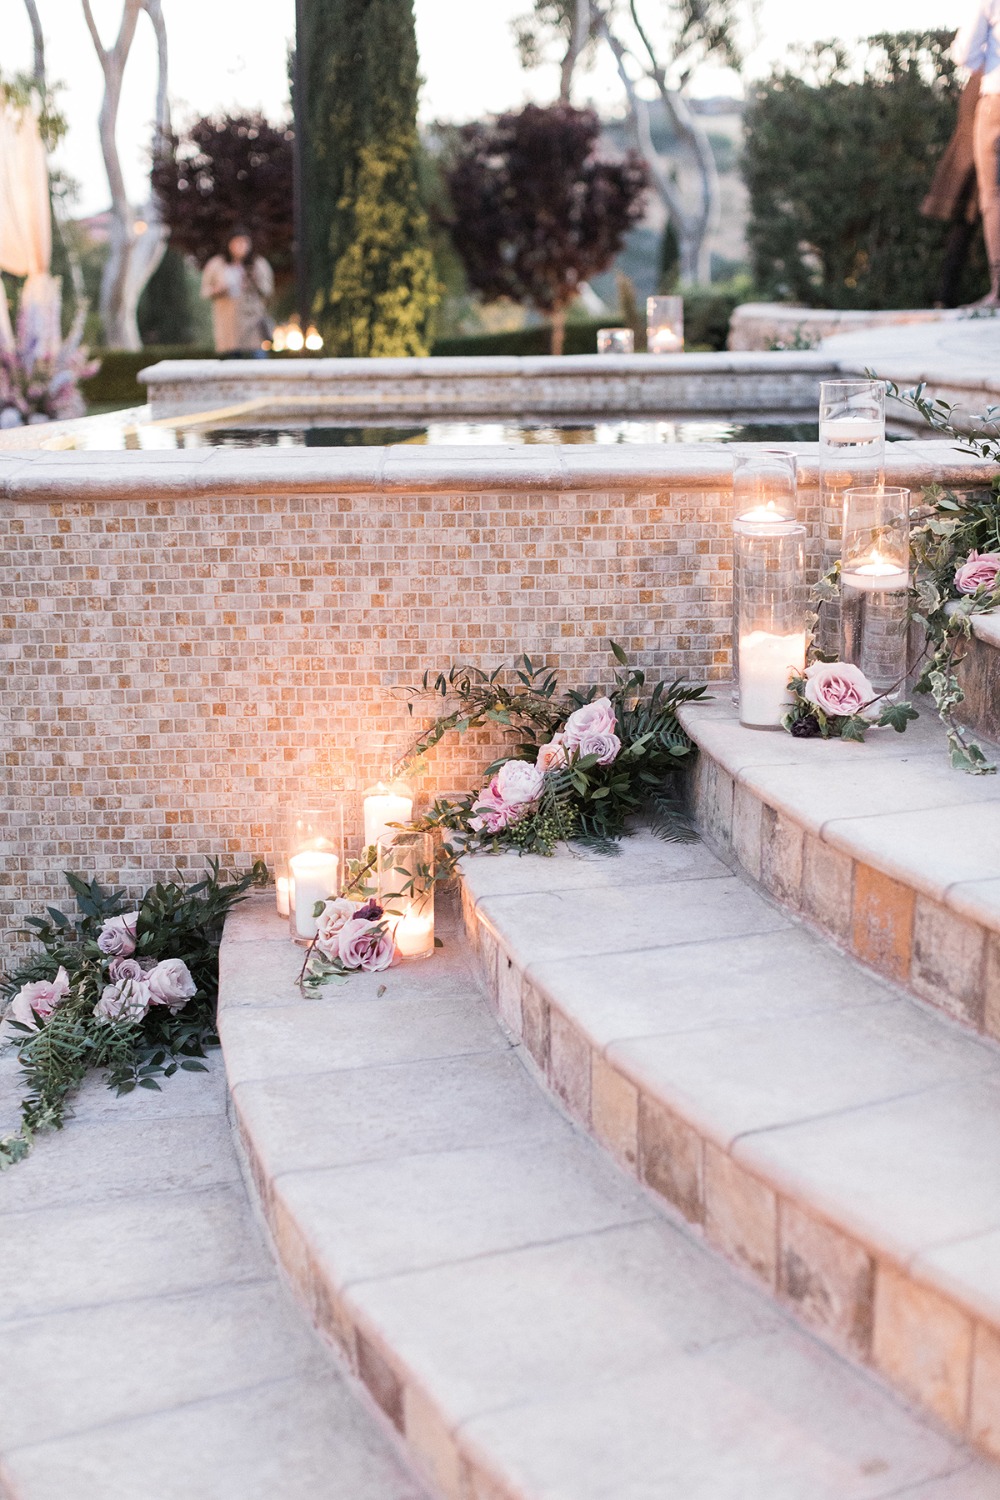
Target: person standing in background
239, 283
977, 47
953, 198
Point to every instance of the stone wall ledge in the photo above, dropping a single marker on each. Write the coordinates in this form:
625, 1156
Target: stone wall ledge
824, 1131
33, 476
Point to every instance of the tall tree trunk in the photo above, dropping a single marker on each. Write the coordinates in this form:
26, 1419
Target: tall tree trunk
579, 36
133, 253
558, 330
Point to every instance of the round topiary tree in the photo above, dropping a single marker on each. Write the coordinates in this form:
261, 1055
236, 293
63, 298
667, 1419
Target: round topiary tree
535, 210
371, 267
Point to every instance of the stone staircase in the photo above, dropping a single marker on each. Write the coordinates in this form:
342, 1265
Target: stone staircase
779, 1230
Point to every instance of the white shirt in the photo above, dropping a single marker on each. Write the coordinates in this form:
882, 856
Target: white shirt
977, 46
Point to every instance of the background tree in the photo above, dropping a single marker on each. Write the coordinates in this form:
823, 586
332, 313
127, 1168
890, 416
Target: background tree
223, 172
135, 245
661, 46
535, 212
370, 260
837, 162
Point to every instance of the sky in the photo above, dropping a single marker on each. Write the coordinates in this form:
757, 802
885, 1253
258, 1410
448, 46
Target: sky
226, 53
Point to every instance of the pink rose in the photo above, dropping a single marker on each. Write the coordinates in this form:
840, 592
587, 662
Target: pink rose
595, 718
41, 997
125, 968
553, 755
605, 746
366, 945
170, 983
128, 1000
839, 689
516, 786
492, 812
117, 937
331, 922
979, 571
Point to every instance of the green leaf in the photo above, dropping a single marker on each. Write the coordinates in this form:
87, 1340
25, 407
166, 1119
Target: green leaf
853, 728
896, 716
190, 1066
618, 653
150, 1083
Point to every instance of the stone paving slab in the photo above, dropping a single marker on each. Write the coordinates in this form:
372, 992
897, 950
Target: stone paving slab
514, 1302
149, 1349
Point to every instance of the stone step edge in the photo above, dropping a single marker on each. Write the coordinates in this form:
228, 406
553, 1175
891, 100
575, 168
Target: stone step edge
749, 1219
837, 889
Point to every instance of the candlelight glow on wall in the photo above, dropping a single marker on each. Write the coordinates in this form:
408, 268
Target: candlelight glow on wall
315, 838
406, 890
874, 583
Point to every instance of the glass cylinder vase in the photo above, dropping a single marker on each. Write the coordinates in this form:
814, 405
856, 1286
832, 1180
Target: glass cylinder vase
615, 341
665, 325
383, 804
315, 841
851, 453
406, 890
874, 583
765, 486
769, 617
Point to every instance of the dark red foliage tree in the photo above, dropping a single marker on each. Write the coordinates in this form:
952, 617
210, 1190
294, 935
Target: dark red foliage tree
226, 172
535, 211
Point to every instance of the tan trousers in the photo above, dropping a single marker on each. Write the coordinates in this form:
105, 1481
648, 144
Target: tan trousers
987, 153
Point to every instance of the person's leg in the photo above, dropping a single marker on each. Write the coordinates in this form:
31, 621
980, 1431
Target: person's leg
987, 153
956, 253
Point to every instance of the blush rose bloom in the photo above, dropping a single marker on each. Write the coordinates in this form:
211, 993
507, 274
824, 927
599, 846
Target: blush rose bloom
117, 937
516, 786
125, 968
170, 983
594, 719
839, 689
366, 945
128, 1000
552, 755
605, 746
979, 571
41, 997
331, 922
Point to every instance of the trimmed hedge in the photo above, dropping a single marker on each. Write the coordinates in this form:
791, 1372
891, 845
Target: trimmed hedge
706, 326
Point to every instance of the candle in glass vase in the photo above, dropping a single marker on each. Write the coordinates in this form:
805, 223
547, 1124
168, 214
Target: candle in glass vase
385, 805
851, 430
766, 662
879, 575
283, 892
413, 933
314, 874
664, 341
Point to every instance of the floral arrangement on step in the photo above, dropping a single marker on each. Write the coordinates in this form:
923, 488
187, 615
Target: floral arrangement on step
585, 766
955, 557
352, 937
126, 987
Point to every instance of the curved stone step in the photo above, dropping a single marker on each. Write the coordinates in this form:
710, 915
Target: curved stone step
149, 1348
535, 1324
894, 854
827, 1132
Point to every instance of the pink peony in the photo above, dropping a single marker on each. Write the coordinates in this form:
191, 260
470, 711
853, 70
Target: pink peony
516, 786
979, 571
597, 718
605, 746
839, 689
553, 755
170, 983
41, 997
128, 1000
331, 922
366, 945
117, 937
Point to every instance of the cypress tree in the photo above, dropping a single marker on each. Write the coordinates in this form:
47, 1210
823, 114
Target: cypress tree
371, 265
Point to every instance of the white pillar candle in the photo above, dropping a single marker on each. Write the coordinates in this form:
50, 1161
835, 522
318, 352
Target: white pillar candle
382, 807
413, 933
853, 430
283, 890
664, 341
879, 575
315, 879
766, 663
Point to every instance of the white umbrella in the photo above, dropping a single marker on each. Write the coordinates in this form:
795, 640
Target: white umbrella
26, 231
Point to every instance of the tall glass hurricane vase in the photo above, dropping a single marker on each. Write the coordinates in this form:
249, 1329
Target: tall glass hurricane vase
769, 617
874, 583
406, 890
851, 454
